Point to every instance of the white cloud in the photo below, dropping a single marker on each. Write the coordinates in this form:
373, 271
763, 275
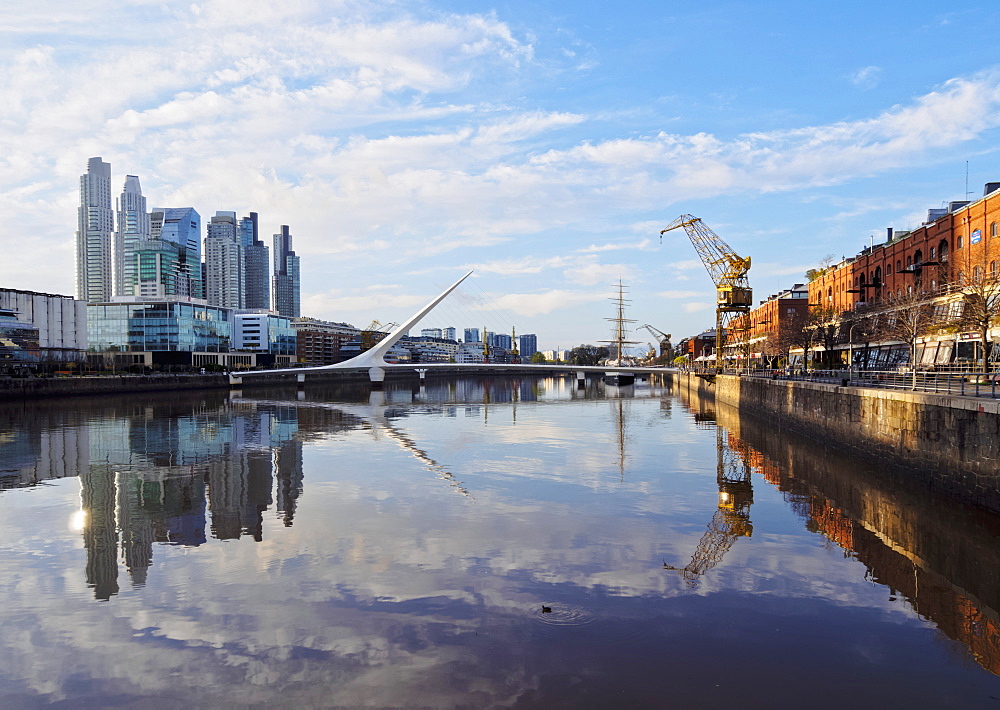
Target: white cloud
867, 77
697, 307
532, 304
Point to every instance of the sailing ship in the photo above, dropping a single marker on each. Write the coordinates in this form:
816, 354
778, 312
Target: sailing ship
618, 343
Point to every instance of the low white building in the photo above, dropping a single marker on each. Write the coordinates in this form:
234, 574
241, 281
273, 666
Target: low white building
61, 322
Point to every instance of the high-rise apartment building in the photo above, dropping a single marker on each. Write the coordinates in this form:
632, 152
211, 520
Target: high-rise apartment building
224, 278
448, 333
472, 335
95, 225
182, 226
256, 269
132, 226
286, 275
528, 345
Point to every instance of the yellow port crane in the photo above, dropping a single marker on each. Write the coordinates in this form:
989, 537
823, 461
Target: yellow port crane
374, 333
727, 269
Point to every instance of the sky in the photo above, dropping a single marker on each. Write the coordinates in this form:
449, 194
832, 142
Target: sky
541, 144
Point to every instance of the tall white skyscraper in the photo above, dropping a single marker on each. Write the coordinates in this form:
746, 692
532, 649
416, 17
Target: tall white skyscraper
132, 225
224, 277
95, 225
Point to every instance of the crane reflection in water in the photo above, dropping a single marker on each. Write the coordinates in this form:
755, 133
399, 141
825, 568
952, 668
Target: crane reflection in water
732, 517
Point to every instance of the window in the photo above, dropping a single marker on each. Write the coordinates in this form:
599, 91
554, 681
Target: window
993, 229
977, 274
909, 261
899, 265
993, 270
932, 253
959, 241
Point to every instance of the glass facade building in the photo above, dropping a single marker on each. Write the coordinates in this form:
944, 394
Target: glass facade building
173, 326
256, 266
286, 275
18, 341
182, 226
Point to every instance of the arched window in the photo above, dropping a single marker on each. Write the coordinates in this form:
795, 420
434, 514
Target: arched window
933, 284
918, 257
899, 265
909, 290
959, 241
961, 277
993, 270
855, 282
829, 295
993, 229
899, 292
909, 261
878, 276
977, 274
943, 250
933, 250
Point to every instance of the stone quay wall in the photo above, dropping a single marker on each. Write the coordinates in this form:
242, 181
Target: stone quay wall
948, 443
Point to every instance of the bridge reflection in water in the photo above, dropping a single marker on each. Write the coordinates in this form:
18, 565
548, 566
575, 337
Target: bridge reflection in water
183, 470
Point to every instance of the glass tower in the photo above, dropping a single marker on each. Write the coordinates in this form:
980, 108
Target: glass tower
256, 270
95, 225
286, 275
182, 226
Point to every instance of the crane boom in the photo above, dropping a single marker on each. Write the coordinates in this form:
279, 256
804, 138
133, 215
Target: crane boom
727, 269
724, 265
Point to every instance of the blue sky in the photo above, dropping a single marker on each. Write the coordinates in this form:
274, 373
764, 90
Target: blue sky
543, 144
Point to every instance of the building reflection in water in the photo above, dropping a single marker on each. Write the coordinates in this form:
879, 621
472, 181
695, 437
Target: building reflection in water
159, 473
939, 556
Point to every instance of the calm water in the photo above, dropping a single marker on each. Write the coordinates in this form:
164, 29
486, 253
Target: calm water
474, 544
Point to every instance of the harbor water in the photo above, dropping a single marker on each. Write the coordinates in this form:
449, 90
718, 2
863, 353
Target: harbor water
487, 542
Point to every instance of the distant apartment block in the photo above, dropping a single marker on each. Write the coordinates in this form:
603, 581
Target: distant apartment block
319, 342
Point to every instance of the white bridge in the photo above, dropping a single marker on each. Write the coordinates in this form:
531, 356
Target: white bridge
373, 360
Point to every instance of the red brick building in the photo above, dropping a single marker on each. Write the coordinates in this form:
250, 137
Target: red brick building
954, 245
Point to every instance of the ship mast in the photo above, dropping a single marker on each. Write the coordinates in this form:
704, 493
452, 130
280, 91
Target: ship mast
620, 329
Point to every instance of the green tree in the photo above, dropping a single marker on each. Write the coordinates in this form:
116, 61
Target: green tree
587, 354
538, 358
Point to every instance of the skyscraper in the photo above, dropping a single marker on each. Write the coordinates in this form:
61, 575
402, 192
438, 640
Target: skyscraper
224, 278
132, 225
472, 335
95, 225
256, 270
286, 275
182, 226
529, 345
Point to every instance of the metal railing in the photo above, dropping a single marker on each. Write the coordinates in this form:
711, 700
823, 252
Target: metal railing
964, 384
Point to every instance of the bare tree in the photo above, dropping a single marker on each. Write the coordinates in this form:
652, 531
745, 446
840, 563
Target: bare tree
981, 301
906, 318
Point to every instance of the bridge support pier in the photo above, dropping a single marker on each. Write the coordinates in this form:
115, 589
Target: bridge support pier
235, 382
422, 371
581, 380
300, 381
377, 377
